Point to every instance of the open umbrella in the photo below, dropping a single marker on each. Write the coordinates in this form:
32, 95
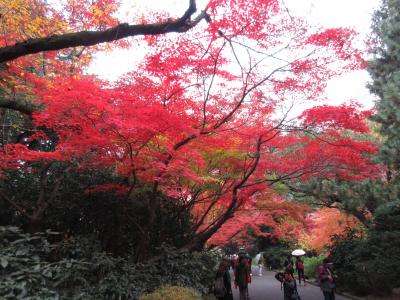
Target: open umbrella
298, 252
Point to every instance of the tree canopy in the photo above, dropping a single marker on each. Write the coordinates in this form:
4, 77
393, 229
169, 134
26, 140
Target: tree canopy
205, 119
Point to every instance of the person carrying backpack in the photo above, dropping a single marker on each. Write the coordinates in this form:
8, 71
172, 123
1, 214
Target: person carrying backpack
222, 283
289, 285
300, 270
242, 277
327, 280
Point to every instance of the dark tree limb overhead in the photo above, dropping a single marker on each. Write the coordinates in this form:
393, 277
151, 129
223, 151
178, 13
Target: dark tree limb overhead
90, 38
18, 104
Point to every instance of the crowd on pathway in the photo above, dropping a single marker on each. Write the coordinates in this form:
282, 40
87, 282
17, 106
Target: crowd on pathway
241, 265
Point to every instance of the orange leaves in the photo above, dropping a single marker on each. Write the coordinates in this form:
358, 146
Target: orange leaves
327, 222
28, 19
24, 19
97, 14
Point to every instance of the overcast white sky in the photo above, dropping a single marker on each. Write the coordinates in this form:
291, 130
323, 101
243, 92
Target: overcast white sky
327, 13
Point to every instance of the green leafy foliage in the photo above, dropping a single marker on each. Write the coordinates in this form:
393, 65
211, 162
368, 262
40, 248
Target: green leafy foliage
275, 257
348, 264
370, 265
29, 269
45, 265
77, 208
384, 243
311, 265
384, 70
359, 199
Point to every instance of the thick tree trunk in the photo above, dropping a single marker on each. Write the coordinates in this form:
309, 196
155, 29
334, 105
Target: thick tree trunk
18, 104
143, 247
34, 224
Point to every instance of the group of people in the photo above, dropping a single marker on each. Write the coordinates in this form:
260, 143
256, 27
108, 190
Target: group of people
289, 266
288, 282
242, 272
325, 279
242, 278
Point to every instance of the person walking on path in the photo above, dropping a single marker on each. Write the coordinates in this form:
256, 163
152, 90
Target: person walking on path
249, 261
300, 270
250, 264
260, 264
289, 285
222, 284
289, 266
242, 277
327, 279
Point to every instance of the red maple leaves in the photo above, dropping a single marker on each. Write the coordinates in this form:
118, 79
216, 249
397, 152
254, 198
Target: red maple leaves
201, 118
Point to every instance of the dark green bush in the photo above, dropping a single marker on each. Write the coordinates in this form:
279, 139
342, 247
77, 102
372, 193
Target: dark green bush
383, 246
45, 266
370, 265
28, 269
349, 265
276, 256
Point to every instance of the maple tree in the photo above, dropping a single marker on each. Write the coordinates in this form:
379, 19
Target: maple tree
285, 220
204, 119
327, 222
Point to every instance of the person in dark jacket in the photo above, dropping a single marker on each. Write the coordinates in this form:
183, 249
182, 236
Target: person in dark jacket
223, 272
289, 266
289, 285
327, 280
250, 261
242, 277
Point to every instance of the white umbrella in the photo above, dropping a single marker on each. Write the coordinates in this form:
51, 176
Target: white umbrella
298, 252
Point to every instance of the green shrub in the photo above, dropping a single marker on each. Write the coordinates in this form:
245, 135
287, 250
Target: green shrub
350, 263
172, 293
42, 266
28, 270
370, 265
276, 256
311, 265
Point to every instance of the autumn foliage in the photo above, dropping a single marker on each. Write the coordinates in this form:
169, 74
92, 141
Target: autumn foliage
206, 116
285, 220
327, 222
